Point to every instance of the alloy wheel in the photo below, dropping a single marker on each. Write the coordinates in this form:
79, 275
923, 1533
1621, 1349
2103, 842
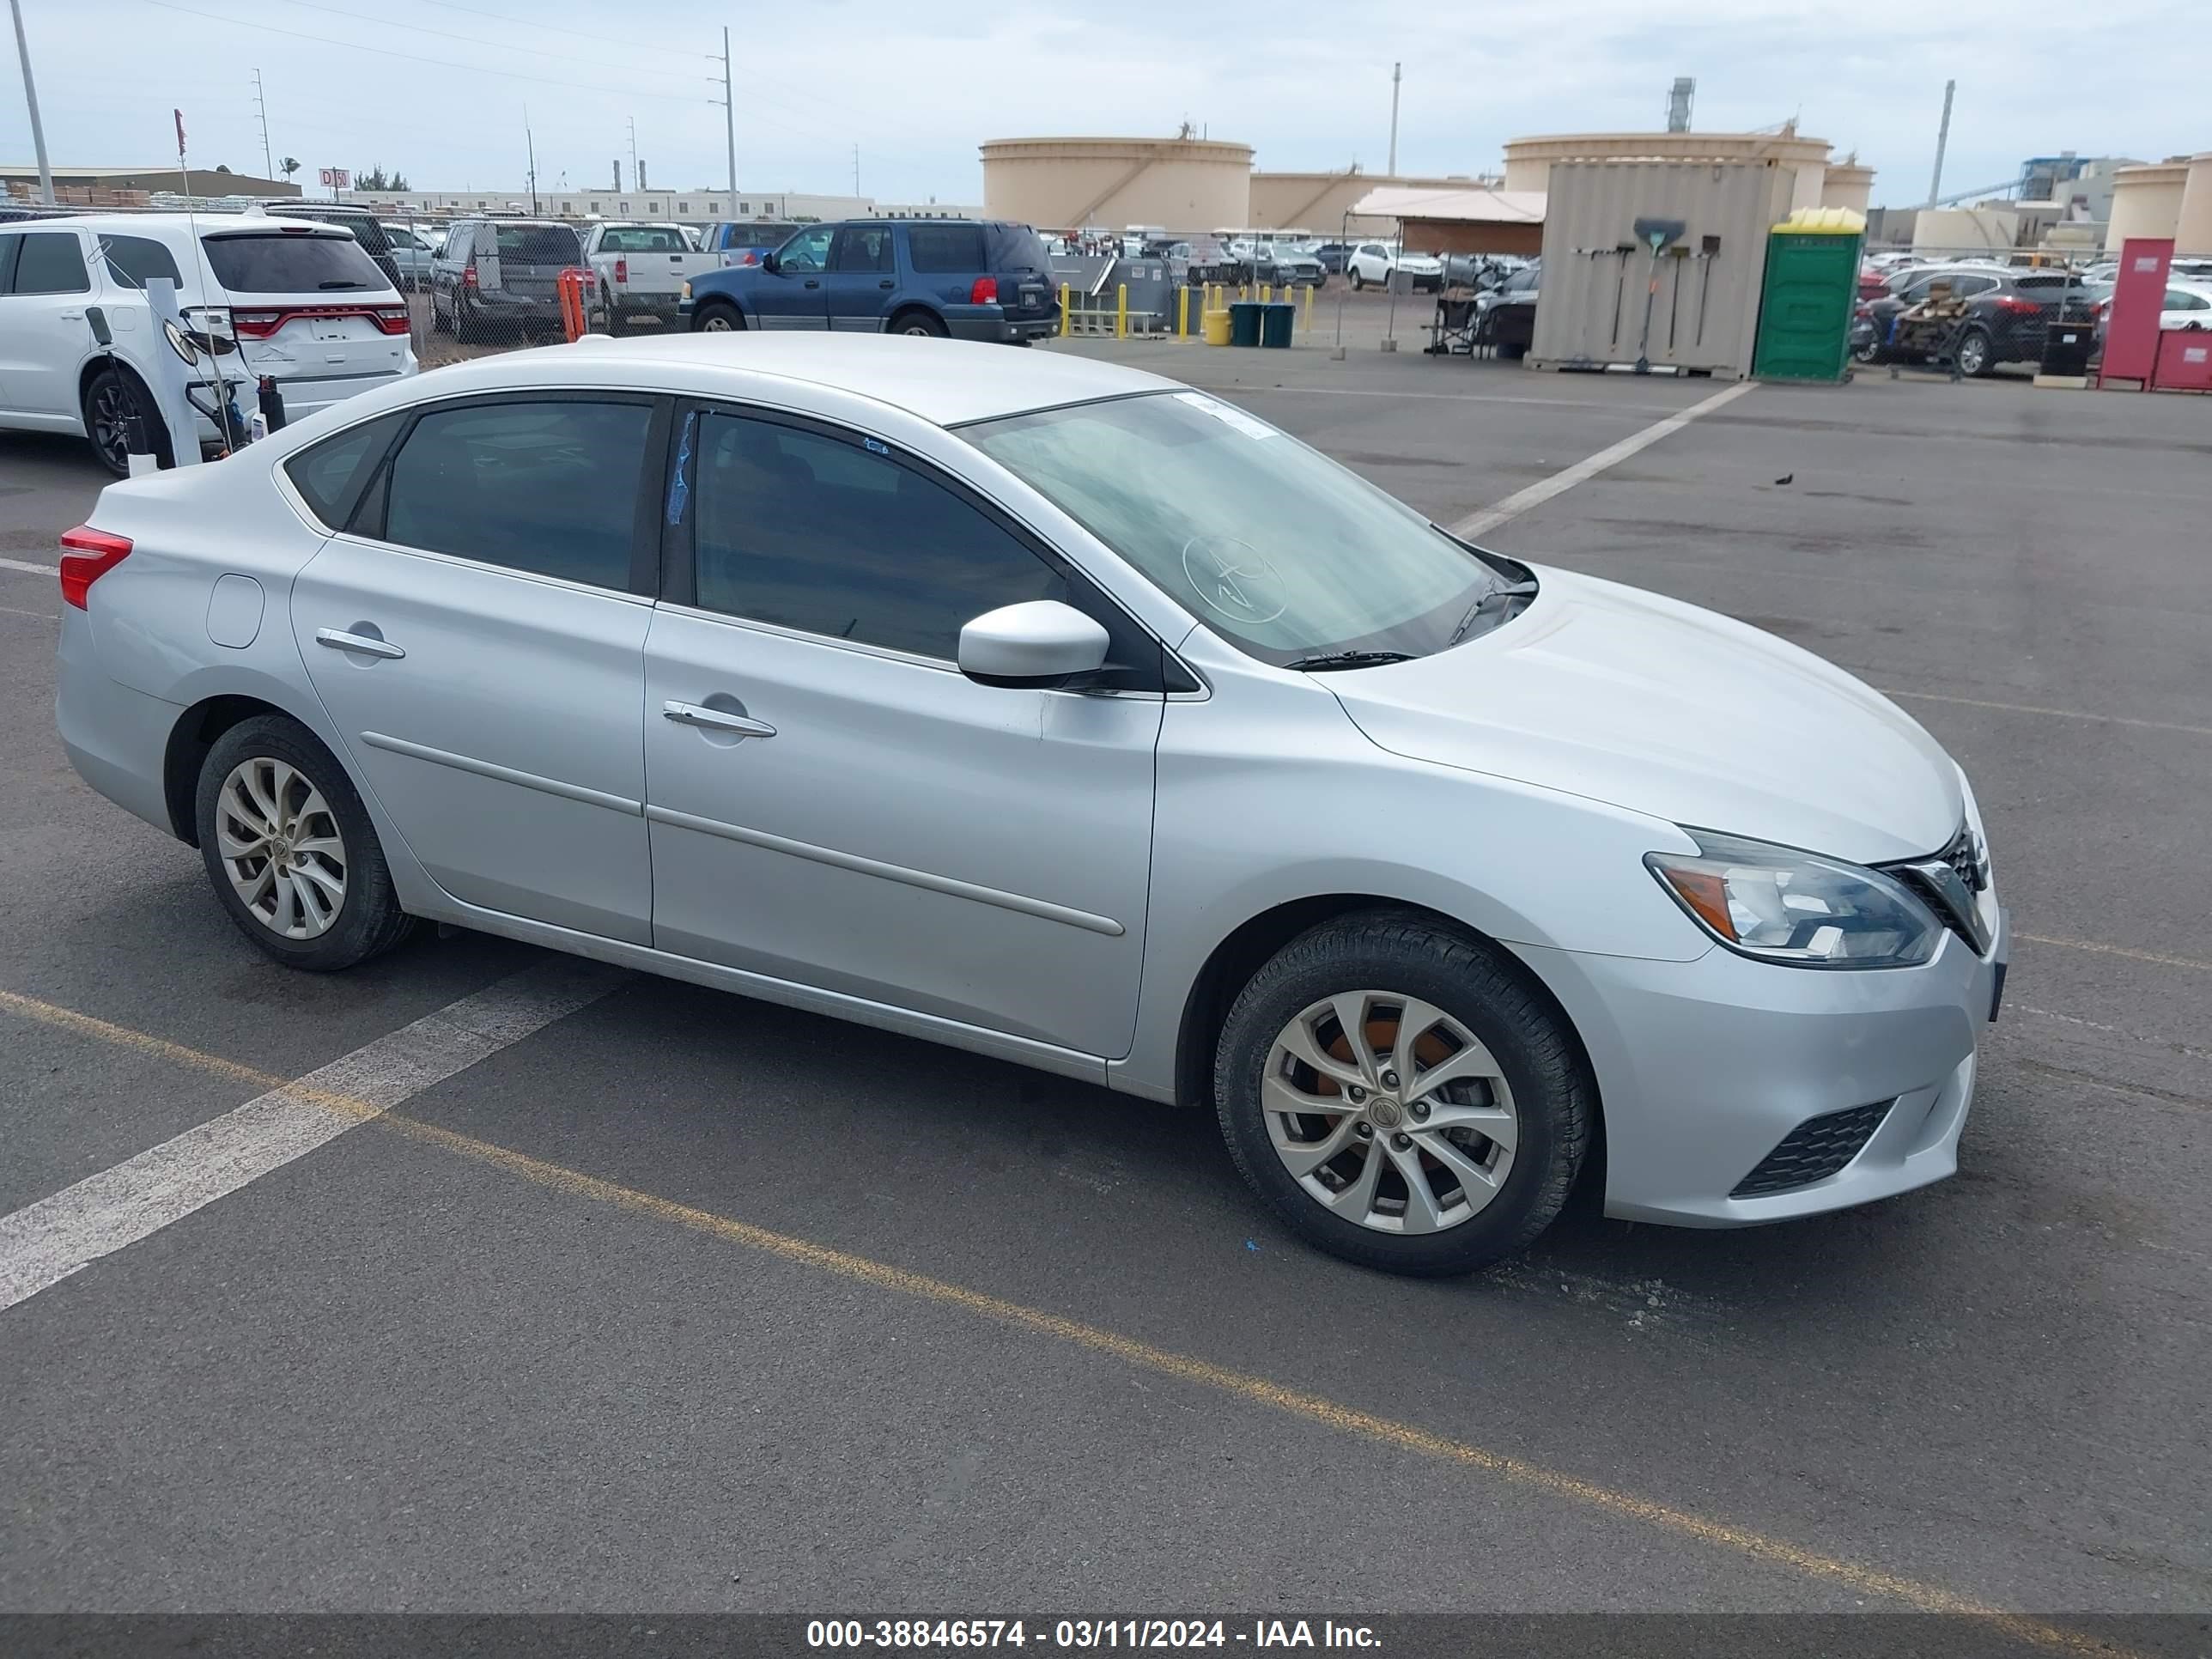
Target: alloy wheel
1389, 1112
714, 323
281, 847
1973, 354
110, 415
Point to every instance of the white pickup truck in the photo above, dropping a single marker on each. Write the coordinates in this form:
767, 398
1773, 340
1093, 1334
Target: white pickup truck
640, 271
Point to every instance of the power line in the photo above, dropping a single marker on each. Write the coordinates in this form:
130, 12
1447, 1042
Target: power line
472, 39
409, 57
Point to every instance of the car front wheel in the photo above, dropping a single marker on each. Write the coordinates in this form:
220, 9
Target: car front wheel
1357, 281
1402, 1095
290, 850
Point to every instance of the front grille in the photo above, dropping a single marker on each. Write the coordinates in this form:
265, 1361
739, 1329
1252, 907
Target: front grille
1814, 1150
1948, 881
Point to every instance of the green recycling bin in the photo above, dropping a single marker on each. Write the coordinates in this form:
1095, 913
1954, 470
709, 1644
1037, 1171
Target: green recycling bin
1280, 322
1244, 322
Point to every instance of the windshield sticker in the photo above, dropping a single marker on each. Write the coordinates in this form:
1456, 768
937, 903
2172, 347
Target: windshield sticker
1228, 414
1232, 580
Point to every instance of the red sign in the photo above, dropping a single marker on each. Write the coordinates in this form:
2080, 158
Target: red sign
2138, 296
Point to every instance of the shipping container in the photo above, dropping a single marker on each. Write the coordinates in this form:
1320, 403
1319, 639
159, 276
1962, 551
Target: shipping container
1700, 293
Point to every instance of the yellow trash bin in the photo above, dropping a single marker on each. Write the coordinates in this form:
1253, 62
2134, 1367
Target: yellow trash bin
1216, 327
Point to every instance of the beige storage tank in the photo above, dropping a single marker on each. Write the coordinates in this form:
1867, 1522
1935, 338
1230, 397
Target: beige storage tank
1066, 184
1705, 302
2193, 228
1528, 160
2146, 202
1848, 185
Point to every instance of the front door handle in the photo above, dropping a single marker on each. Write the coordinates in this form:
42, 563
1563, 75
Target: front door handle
810, 282
887, 283
338, 640
715, 719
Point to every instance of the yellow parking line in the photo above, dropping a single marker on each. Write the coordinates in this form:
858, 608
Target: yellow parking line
1242, 1385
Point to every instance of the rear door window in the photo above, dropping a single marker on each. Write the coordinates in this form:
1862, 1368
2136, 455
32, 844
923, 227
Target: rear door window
290, 262
50, 262
862, 248
945, 249
549, 486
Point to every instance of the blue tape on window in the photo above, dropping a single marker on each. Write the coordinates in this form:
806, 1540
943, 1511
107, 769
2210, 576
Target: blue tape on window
679, 488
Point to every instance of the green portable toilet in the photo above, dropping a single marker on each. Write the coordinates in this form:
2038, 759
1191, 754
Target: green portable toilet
1812, 291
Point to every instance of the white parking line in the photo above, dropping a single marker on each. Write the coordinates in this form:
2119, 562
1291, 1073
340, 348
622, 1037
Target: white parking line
47, 1241
50, 571
1561, 482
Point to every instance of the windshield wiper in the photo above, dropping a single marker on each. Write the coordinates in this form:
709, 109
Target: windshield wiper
1350, 659
341, 282
1503, 594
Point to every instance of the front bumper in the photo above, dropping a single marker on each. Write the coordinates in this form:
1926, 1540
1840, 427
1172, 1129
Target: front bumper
1705, 1067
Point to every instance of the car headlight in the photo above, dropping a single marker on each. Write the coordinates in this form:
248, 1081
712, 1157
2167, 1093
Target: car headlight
1778, 904
686, 293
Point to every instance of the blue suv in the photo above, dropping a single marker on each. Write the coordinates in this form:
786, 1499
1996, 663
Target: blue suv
972, 279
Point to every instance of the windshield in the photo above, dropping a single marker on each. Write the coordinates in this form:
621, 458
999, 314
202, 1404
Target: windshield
1273, 546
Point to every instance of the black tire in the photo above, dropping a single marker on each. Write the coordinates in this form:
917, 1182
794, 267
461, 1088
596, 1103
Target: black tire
1870, 353
467, 330
1987, 360
924, 323
110, 396
717, 317
1475, 984
369, 920
1357, 281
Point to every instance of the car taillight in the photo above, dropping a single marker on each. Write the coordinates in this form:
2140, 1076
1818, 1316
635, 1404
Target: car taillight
256, 325
393, 320
87, 556
2102, 306
985, 292
2018, 307
622, 270
469, 274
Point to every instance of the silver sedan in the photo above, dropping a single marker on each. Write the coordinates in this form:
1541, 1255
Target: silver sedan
1061, 713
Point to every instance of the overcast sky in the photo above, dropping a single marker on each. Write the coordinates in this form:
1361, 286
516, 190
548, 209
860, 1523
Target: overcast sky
438, 88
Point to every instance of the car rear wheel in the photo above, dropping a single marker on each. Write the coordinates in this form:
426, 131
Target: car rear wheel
717, 317
110, 397
1402, 1095
918, 323
1977, 357
288, 847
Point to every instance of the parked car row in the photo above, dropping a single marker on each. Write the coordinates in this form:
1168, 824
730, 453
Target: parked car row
2006, 312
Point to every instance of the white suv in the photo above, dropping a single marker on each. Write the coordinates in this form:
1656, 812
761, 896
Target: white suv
1372, 263
305, 305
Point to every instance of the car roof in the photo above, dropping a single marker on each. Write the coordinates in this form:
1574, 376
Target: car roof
943, 381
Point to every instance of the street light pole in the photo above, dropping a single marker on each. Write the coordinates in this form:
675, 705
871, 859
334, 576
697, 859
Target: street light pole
31, 98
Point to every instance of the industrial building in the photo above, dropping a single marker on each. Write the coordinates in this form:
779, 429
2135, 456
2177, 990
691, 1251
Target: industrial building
2173, 197
79, 184
701, 206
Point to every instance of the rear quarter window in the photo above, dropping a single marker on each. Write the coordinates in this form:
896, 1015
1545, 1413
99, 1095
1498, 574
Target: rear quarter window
329, 476
290, 262
946, 249
133, 259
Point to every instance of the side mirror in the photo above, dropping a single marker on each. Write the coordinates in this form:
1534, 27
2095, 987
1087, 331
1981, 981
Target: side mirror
1042, 643
768, 264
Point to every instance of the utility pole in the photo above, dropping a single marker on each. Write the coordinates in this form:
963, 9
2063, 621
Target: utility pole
856, 169
31, 98
1942, 138
639, 181
730, 121
261, 106
530, 144
1393, 169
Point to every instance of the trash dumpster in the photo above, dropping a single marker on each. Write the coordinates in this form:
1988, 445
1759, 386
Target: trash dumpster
1215, 323
1811, 294
1244, 322
1279, 325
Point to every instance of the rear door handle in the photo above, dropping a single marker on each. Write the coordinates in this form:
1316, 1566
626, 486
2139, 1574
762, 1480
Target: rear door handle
338, 640
886, 282
715, 719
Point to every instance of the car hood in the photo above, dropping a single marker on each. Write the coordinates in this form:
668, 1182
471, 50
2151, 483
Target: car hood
1627, 697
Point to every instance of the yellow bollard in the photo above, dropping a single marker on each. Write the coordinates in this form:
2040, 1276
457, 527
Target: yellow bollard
1182, 314
1310, 294
1064, 317
1267, 293
1121, 311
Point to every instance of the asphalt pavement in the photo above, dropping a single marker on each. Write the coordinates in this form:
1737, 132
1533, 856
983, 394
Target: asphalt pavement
687, 1304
